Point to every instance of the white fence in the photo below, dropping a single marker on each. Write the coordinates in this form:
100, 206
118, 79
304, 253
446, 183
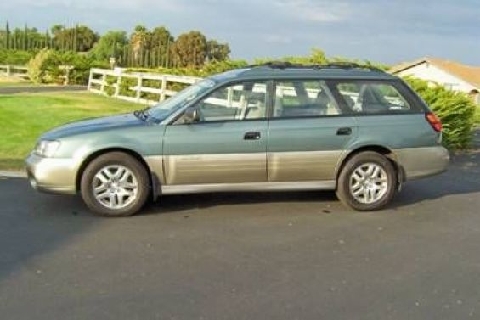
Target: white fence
101, 79
13, 71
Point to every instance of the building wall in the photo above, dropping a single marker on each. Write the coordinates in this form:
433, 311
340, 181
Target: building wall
431, 73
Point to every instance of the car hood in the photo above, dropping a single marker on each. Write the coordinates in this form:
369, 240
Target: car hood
94, 125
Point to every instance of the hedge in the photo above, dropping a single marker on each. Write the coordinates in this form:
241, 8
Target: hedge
456, 110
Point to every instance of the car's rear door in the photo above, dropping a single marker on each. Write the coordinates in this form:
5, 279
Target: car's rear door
307, 132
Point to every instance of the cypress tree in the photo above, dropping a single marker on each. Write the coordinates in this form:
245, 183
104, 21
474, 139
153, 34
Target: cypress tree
25, 37
8, 36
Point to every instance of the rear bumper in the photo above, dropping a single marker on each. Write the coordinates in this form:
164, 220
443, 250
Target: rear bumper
52, 175
423, 162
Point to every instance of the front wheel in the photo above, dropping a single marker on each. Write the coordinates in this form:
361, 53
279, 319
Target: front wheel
115, 185
367, 182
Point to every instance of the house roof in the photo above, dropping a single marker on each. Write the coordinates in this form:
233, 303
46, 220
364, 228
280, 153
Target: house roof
470, 74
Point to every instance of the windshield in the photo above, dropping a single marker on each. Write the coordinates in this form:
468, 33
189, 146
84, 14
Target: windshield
165, 108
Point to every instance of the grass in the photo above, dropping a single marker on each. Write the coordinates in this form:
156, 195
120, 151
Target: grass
24, 117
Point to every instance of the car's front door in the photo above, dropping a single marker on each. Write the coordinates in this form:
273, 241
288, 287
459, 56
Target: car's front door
308, 133
226, 145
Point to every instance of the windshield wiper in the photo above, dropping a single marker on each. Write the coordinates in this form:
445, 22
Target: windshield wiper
142, 114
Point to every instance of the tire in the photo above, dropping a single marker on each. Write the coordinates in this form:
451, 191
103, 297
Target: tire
367, 182
115, 185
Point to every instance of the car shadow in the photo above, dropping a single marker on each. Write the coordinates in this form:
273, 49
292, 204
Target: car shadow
189, 202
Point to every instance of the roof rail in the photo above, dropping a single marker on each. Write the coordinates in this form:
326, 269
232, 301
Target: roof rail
336, 65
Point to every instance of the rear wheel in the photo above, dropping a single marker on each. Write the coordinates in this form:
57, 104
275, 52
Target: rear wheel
115, 185
367, 182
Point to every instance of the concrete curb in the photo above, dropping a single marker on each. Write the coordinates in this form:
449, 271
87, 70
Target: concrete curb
13, 174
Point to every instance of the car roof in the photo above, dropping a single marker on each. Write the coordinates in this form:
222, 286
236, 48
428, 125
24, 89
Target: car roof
286, 70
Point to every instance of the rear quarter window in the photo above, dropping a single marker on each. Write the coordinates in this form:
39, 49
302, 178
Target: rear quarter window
377, 97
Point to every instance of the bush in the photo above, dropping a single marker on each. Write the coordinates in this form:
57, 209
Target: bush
39, 65
44, 67
15, 57
456, 111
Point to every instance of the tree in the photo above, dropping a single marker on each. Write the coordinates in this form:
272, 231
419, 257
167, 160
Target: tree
111, 44
160, 42
7, 31
80, 38
190, 49
217, 51
84, 38
139, 41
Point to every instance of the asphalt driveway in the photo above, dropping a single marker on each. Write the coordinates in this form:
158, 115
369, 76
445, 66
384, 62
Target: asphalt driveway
40, 89
247, 256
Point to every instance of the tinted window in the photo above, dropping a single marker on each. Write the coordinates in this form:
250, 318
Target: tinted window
303, 99
370, 97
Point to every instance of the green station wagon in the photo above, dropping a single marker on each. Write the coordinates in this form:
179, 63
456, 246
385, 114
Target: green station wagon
349, 128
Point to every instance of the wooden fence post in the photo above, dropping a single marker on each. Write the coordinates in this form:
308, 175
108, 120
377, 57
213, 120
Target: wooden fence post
117, 86
104, 79
9, 70
163, 94
139, 87
90, 78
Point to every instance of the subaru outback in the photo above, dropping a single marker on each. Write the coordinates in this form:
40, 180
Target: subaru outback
273, 127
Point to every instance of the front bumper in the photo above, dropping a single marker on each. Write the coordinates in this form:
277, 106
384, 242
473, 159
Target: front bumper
52, 175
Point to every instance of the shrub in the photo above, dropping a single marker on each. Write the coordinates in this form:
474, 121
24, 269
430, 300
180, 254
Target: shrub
39, 65
44, 67
456, 111
15, 57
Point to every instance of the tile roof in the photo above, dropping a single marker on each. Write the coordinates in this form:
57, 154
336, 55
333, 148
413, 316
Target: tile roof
470, 74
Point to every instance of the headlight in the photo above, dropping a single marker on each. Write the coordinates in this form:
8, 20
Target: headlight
47, 148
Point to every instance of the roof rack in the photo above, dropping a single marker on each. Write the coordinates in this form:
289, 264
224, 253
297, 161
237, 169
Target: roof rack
337, 65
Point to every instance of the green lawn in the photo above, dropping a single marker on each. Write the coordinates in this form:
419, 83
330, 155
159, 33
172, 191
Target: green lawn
24, 117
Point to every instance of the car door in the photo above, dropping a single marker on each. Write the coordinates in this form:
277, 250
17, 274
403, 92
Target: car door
227, 145
308, 132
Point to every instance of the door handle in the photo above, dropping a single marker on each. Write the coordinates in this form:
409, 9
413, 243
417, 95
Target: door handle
252, 135
345, 131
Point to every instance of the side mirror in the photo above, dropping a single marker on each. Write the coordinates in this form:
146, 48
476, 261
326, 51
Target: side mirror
191, 115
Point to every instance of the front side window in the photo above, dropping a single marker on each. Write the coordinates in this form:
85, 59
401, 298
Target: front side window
309, 98
371, 98
240, 101
164, 109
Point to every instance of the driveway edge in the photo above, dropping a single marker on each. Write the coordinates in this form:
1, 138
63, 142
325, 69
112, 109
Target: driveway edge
13, 174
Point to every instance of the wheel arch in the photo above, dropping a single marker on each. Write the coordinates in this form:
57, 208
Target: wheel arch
134, 154
387, 152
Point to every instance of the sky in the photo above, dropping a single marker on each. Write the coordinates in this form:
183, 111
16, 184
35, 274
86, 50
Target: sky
385, 31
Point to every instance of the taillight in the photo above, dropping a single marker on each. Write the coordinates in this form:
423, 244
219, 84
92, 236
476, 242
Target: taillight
434, 121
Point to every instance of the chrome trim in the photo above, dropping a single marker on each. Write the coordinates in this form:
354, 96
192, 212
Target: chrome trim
247, 187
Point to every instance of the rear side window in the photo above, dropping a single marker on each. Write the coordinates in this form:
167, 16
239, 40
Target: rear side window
365, 97
298, 98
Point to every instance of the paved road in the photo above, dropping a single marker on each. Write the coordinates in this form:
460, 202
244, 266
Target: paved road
250, 256
39, 89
